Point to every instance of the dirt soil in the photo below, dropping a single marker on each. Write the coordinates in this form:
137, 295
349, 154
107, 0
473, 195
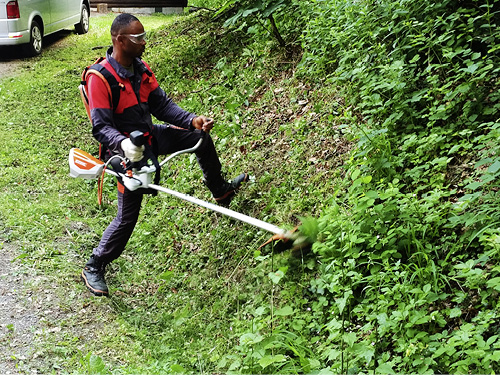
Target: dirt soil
10, 60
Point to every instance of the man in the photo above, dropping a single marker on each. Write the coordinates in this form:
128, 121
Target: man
141, 97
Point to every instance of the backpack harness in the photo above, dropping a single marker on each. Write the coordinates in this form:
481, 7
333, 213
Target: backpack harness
114, 89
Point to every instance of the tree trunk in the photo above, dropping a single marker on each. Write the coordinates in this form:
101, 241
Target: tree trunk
276, 31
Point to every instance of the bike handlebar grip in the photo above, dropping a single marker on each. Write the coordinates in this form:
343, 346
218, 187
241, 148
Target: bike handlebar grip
137, 138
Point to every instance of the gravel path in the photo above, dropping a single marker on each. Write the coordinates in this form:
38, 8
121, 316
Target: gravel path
18, 320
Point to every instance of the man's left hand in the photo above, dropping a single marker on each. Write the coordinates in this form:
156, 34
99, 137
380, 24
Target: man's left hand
203, 123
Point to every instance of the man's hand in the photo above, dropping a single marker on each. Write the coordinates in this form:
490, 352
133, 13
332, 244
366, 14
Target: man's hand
131, 151
203, 123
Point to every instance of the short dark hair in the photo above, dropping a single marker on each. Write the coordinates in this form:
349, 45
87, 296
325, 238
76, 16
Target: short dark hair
121, 21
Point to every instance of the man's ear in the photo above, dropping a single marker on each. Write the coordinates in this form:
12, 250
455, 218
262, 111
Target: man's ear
119, 39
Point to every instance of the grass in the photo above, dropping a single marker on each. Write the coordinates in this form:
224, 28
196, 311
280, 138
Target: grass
187, 273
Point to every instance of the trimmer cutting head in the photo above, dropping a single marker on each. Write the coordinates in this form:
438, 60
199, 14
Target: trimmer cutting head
291, 240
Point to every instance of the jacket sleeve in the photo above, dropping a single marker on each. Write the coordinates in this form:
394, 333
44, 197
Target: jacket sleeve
165, 109
101, 113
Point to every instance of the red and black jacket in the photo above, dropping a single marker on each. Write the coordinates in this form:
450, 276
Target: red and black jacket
140, 97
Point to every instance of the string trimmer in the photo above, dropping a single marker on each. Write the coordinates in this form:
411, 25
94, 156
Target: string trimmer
83, 165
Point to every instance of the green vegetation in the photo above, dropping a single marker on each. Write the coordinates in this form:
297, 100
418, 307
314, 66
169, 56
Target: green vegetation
374, 126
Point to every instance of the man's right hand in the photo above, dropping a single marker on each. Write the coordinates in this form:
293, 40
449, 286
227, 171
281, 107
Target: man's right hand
131, 151
203, 123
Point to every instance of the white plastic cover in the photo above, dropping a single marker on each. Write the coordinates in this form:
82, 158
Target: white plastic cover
84, 165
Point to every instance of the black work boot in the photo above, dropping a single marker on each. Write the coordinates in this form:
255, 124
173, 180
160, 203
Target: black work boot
93, 276
224, 193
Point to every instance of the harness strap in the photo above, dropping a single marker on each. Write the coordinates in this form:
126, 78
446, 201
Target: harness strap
113, 88
112, 85
148, 153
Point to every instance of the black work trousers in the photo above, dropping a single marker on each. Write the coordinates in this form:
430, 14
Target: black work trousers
169, 139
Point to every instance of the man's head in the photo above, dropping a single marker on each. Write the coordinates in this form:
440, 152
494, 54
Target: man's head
127, 34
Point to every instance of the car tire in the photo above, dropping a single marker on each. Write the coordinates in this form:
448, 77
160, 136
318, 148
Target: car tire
34, 47
83, 26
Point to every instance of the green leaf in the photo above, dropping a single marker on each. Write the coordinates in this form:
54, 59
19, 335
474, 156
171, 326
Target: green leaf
247, 12
357, 182
273, 7
483, 162
167, 275
471, 68
439, 351
276, 276
226, 6
494, 283
298, 324
367, 179
350, 338
455, 149
341, 302
177, 369
235, 365
260, 311
250, 338
365, 350
495, 167
495, 356
355, 174
365, 203
270, 359
372, 194
96, 365
384, 368
474, 185
284, 311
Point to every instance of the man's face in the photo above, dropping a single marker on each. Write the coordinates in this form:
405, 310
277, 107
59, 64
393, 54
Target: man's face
131, 38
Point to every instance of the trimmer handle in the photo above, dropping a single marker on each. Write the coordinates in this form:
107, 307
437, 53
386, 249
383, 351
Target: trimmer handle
137, 138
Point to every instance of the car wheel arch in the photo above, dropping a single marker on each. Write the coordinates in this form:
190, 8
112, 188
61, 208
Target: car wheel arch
38, 19
34, 46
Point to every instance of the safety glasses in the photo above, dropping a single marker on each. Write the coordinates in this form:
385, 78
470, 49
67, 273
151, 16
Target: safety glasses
136, 38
